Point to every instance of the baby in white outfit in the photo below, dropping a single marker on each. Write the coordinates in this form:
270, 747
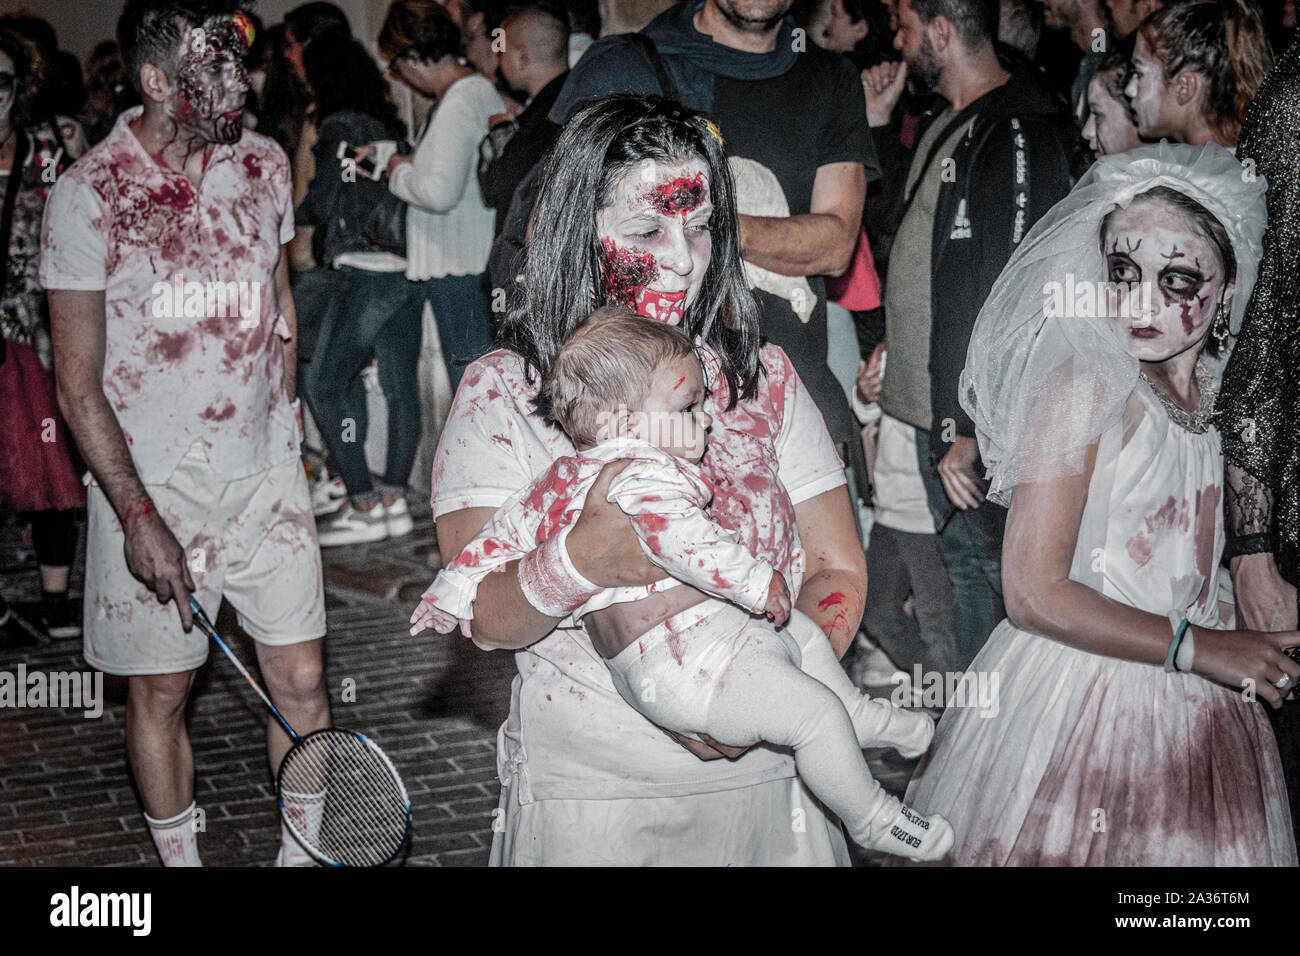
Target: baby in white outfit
627, 388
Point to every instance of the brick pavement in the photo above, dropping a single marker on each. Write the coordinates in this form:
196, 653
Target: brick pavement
434, 705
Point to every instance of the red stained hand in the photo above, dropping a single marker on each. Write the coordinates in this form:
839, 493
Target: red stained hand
155, 557
777, 607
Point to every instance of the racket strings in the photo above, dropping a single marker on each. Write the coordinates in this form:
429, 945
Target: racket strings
343, 799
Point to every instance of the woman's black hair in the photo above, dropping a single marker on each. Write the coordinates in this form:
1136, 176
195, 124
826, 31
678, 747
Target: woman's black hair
562, 274
344, 76
311, 21
1115, 68
284, 100
419, 27
878, 45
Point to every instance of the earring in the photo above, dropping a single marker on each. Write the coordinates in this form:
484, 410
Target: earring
1222, 329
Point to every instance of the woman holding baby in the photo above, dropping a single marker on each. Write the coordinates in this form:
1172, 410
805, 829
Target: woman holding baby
637, 208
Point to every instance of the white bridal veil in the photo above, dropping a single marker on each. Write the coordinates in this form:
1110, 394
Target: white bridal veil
1045, 375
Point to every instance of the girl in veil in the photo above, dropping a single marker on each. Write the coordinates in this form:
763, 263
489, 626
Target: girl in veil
1128, 729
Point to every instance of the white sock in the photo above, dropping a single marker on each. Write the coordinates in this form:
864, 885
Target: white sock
305, 810
900, 830
177, 843
907, 731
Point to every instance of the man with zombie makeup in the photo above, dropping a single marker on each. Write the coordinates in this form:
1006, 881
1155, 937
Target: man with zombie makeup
173, 334
794, 127
983, 171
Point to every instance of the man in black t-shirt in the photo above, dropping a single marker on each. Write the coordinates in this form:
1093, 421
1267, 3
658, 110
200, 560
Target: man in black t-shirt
793, 123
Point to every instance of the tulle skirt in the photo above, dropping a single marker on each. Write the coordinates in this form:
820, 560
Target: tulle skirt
39, 467
1093, 761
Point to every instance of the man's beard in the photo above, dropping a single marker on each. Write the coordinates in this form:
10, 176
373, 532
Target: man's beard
729, 10
924, 74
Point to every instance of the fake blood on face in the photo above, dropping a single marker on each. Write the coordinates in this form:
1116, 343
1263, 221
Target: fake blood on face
627, 273
681, 195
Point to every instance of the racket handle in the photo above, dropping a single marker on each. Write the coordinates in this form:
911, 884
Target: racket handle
201, 618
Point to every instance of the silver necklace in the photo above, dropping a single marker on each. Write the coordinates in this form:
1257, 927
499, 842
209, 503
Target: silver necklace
1199, 421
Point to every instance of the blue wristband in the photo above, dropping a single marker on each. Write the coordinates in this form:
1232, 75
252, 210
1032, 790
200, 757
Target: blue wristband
1179, 633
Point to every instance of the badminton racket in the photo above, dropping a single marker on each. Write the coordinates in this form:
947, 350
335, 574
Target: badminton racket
339, 793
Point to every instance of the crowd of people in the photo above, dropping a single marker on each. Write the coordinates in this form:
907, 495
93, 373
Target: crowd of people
969, 297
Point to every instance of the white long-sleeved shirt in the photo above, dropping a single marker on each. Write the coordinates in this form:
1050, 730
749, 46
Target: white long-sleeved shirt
448, 229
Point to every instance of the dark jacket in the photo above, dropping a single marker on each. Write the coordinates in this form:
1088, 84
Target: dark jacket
337, 208
1013, 165
533, 136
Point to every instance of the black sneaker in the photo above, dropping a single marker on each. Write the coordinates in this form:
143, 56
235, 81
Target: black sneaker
60, 619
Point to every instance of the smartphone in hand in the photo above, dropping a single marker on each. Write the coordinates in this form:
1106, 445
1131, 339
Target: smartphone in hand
373, 165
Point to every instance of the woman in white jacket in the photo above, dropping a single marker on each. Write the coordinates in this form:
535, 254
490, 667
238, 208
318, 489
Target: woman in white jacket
448, 229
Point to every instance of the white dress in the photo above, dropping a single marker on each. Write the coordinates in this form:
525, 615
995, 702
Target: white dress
1091, 760
587, 780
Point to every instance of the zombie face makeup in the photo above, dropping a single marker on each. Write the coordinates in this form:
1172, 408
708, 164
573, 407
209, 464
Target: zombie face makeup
1153, 242
655, 239
1109, 128
1155, 108
672, 415
207, 101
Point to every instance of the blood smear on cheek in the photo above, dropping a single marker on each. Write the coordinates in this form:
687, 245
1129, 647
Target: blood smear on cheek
627, 273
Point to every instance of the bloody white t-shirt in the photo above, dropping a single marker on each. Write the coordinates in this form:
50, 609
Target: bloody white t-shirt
569, 734
194, 341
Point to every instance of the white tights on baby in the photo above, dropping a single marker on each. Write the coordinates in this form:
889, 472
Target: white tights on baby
740, 682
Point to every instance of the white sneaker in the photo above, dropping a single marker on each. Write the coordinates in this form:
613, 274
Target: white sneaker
327, 496
351, 526
399, 519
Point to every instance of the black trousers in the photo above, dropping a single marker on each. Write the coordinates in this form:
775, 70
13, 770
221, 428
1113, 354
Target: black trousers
54, 537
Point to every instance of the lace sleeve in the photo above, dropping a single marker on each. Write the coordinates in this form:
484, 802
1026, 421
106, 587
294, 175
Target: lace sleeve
1248, 512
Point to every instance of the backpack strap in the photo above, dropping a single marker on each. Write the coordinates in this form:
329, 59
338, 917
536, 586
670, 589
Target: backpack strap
647, 47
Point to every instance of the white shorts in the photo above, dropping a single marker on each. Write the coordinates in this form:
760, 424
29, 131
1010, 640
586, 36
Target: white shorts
252, 541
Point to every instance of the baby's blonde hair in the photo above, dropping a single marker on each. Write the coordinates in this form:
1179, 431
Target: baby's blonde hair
606, 362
